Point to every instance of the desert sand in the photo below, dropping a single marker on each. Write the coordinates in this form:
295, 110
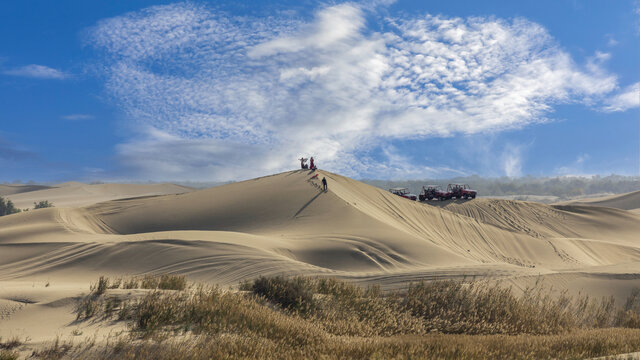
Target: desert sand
629, 201
285, 224
75, 194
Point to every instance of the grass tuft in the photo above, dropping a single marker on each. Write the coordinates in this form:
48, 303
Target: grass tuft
294, 294
57, 350
8, 355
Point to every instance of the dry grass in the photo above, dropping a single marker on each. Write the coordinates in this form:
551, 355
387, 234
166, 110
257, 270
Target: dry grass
8, 355
57, 350
577, 345
96, 303
290, 318
10, 344
6, 348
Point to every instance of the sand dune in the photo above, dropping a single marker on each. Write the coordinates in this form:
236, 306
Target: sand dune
285, 224
17, 189
352, 230
629, 201
79, 194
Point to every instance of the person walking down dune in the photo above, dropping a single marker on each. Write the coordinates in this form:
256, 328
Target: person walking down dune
324, 184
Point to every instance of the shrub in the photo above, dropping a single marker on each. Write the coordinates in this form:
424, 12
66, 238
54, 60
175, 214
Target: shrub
42, 204
7, 207
172, 282
294, 294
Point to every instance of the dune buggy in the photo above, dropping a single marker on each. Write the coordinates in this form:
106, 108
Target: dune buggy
461, 191
403, 192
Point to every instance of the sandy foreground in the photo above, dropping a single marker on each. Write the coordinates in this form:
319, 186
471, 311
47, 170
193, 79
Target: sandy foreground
285, 224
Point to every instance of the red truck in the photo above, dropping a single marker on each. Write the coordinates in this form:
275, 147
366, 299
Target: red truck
430, 192
461, 191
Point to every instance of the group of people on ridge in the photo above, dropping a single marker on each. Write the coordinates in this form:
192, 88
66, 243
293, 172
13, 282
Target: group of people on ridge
312, 166
303, 163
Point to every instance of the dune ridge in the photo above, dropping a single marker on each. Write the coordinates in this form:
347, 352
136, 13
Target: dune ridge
284, 224
76, 194
629, 201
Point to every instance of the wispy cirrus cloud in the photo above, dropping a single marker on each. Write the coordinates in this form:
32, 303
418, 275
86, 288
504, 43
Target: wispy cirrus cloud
10, 152
37, 72
77, 117
220, 97
626, 99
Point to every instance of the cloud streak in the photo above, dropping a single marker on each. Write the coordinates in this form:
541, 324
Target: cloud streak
37, 72
77, 117
226, 98
12, 153
628, 98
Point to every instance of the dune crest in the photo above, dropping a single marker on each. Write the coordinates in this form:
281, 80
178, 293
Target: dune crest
629, 201
285, 223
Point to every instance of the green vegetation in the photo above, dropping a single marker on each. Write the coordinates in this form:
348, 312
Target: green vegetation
301, 317
42, 204
7, 207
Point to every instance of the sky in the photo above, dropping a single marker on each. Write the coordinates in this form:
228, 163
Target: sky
221, 91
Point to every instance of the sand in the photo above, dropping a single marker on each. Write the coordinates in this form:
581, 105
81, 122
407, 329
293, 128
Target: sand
76, 194
285, 224
17, 189
629, 201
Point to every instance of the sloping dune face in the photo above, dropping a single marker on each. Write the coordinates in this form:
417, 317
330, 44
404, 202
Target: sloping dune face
17, 189
79, 194
629, 201
286, 224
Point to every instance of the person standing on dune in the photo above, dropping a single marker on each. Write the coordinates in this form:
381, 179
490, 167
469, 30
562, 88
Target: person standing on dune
324, 183
302, 163
312, 166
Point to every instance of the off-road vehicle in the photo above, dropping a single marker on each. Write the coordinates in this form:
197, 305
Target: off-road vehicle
403, 192
461, 191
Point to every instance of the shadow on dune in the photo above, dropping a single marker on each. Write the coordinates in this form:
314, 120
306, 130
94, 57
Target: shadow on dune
308, 203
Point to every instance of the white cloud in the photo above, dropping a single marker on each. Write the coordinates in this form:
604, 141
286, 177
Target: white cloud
628, 98
208, 92
37, 71
74, 117
576, 168
512, 160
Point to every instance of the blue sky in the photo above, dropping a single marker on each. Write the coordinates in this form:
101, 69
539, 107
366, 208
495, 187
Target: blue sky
160, 90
